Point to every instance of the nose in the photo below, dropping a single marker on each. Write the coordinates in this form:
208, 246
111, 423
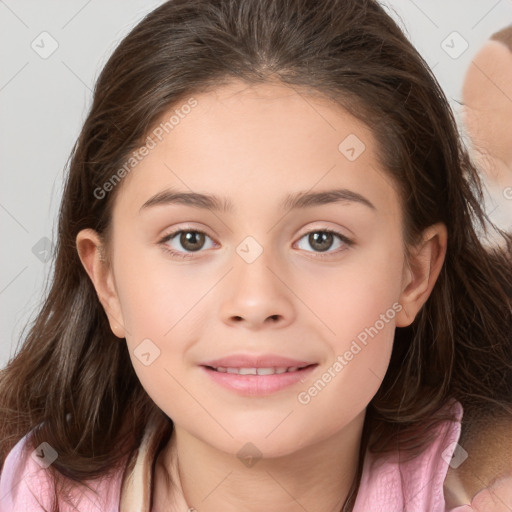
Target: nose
257, 295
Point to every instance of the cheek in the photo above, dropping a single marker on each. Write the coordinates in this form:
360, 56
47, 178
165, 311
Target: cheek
359, 304
156, 294
363, 320
162, 305
353, 297
347, 384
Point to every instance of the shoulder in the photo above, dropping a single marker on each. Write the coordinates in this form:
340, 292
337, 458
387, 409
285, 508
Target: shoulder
394, 481
26, 484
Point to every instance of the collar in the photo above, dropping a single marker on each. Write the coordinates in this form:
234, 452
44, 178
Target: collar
138, 479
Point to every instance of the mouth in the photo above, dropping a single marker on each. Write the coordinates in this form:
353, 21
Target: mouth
258, 381
259, 371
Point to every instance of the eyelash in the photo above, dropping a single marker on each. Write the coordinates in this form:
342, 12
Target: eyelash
187, 256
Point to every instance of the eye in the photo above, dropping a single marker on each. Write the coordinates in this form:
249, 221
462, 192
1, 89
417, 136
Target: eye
191, 240
321, 240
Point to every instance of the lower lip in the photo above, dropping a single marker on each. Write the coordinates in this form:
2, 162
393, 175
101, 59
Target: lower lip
258, 385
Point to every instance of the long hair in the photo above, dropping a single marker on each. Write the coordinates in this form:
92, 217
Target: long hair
72, 381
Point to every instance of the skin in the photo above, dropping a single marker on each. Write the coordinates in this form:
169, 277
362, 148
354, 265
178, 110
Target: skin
487, 95
254, 145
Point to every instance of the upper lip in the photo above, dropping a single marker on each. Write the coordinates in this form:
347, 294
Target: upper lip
256, 361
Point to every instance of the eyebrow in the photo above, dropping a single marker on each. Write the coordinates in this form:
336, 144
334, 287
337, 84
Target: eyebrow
298, 200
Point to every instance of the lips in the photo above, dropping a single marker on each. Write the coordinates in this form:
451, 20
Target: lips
257, 371
240, 361
257, 381
253, 375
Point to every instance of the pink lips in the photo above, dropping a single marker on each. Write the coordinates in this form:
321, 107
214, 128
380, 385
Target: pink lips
261, 361
257, 385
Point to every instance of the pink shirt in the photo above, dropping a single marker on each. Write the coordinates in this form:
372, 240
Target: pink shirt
386, 485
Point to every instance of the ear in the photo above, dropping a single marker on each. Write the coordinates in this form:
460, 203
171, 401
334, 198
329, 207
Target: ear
92, 255
421, 272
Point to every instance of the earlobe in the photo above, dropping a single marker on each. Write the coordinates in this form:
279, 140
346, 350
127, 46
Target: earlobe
421, 272
92, 255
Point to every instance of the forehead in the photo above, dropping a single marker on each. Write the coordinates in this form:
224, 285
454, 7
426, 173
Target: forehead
238, 117
251, 142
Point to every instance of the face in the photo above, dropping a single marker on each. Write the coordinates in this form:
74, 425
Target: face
322, 282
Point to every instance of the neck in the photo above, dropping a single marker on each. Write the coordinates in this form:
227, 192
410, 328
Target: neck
317, 477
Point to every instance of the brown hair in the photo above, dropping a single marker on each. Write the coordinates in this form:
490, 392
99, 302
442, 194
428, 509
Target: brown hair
504, 36
352, 51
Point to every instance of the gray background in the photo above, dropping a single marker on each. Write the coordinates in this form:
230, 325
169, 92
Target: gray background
44, 101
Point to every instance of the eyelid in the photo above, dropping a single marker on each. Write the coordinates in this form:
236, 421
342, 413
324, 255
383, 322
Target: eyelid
326, 228
172, 232
191, 225
348, 242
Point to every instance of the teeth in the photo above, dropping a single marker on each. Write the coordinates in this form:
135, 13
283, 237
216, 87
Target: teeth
257, 371
248, 371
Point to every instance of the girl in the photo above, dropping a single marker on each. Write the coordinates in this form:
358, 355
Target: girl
337, 340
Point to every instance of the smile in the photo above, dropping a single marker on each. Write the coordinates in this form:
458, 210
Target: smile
258, 381
258, 371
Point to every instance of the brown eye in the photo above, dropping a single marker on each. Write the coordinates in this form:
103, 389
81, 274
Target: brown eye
320, 240
184, 242
192, 240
